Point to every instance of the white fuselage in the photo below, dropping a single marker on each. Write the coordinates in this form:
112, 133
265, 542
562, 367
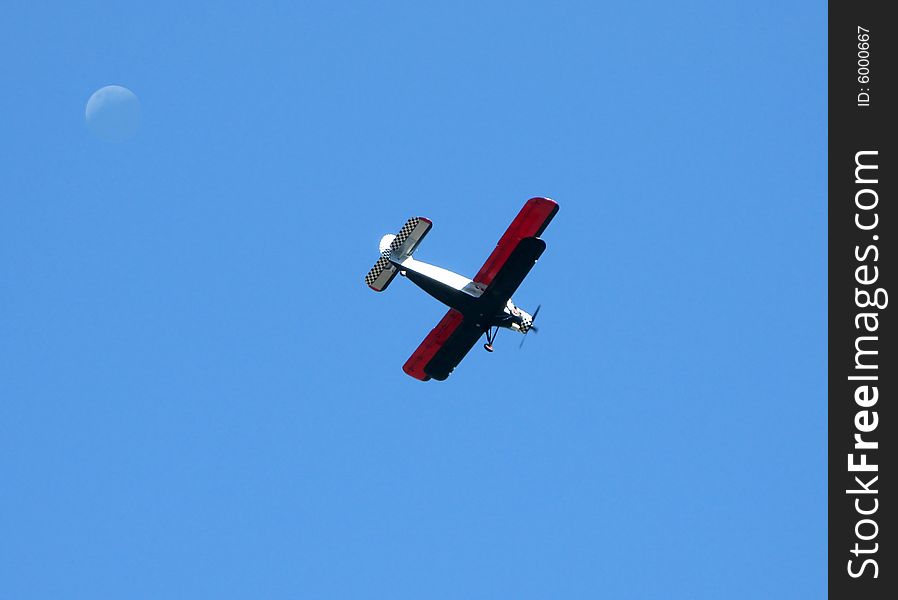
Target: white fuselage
458, 292
443, 276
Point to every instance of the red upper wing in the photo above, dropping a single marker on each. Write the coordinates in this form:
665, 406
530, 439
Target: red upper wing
530, 222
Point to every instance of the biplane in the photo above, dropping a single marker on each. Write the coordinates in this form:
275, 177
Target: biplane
477, 306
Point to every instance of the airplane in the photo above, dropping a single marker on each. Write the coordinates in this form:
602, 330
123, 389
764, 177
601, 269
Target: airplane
476, 306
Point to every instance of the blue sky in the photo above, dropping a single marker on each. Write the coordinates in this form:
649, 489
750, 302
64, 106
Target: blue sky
201, 398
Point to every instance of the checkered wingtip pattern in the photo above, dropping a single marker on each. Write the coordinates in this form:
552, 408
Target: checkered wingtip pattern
382, 263
403, 234
383, 271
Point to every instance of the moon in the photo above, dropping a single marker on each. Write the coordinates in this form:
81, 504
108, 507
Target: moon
113, 113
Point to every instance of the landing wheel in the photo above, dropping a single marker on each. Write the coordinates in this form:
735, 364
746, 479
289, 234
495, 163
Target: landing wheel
490, 336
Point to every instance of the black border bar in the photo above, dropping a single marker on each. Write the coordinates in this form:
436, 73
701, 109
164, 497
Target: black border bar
863, 370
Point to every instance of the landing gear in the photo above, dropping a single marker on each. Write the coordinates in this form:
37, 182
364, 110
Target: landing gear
490, 337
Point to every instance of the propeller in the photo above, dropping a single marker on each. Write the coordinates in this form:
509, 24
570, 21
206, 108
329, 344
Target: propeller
532, 327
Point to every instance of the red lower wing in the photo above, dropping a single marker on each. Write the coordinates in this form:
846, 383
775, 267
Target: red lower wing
414, 366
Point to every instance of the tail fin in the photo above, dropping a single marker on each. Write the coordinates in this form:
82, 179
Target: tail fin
401, 246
